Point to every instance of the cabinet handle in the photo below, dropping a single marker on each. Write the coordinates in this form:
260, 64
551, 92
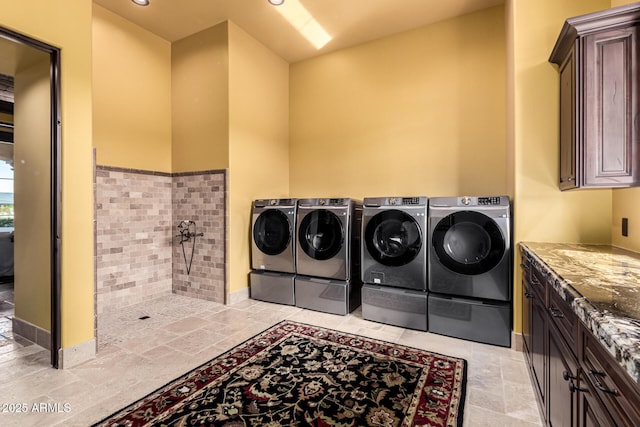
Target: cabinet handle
570, 178
555, 312
594, 377
528, 295
574, 388
567, 376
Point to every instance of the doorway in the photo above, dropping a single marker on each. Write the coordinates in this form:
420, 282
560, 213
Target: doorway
32, 160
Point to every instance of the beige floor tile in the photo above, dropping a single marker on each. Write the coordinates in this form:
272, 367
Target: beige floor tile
137, 356
475, 416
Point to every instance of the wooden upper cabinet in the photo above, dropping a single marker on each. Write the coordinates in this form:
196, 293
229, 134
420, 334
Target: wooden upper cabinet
597, 58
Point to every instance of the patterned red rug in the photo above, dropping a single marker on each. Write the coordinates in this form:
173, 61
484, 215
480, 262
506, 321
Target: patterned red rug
294, 374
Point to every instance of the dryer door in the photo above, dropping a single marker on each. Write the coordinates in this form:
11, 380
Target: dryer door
393, 238
321, 234
468, 242
272, 232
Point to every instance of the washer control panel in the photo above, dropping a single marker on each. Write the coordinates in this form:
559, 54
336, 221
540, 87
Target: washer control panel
480, 201
489, 200
395, 201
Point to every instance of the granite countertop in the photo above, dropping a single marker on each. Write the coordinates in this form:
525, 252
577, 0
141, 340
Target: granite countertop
601, 283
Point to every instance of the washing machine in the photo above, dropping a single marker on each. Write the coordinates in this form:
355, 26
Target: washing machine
394, 237
328, 254
394, 261
273, 250
470, 268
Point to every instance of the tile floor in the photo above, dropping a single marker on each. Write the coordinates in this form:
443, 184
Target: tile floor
137, 356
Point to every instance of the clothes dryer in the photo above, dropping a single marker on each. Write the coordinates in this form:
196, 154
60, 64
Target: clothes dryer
469, 269
328, 254
273, 250
470, 250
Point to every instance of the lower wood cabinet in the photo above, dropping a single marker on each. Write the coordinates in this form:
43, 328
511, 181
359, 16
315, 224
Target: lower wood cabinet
576, 381
533, 327
590, 408
562, 402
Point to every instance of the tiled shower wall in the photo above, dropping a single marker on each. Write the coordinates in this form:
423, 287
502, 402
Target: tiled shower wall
138, 257
200, 197
133, 253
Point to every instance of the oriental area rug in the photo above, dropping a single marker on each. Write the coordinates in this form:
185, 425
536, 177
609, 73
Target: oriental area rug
294, 374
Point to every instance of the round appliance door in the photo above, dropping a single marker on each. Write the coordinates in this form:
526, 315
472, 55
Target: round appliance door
271, 232
468, 242
393, 238
321, 234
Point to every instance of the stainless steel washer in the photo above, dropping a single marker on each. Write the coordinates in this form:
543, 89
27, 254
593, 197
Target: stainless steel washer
328, 238
394, 261
470, 250
394, 242
470, 273
328, 255
272, 231
273, 250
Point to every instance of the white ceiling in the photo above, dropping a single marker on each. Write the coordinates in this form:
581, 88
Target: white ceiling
348, 22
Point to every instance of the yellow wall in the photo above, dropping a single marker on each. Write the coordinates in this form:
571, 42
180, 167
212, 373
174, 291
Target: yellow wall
541, 211
67, 25
626, 203
258, 140
200, 99
32, 169
419, 113
615, 3
131, 94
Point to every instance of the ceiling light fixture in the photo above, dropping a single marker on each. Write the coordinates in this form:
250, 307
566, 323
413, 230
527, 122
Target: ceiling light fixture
143, 2
276, 2
303, 22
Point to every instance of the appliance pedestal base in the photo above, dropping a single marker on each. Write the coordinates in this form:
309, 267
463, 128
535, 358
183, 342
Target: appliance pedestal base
395, 306
272, 287
327, 295
487, 322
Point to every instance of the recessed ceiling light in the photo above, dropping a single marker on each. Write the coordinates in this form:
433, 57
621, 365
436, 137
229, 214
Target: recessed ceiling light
143, 2
276, 2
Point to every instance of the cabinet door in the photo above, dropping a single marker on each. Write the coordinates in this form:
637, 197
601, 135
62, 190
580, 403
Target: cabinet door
611, 385
610, 108
591, 411
568, 137
563, 380
537, 332
526, 317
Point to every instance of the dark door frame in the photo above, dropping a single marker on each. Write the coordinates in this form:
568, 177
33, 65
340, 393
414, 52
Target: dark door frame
56, 187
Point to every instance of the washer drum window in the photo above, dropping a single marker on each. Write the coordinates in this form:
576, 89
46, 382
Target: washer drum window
271, 232
321, 234
393, 238
468, 242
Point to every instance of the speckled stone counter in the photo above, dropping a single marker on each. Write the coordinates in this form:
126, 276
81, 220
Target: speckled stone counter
602, 285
